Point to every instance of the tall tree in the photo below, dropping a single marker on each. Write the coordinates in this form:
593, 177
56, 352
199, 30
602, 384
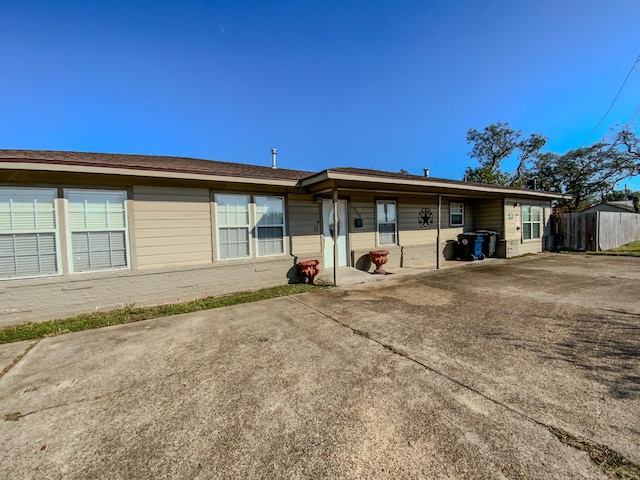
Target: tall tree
496, 143
586, 173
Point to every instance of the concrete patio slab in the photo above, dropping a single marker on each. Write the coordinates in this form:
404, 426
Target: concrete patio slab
423, 376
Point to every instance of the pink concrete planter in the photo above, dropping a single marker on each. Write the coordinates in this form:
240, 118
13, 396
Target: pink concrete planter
379, 258
309, 269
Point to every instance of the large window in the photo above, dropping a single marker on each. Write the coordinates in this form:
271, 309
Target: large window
386, 220
456, 214
28, 244
233, 225
243, 230
97, 225
270, 225
531, 222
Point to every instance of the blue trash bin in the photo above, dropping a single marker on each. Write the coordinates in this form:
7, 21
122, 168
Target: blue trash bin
470, 246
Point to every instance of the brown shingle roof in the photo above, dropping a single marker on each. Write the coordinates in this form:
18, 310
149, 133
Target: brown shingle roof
152, 163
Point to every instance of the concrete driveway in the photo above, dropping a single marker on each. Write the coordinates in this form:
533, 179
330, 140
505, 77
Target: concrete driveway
461, 373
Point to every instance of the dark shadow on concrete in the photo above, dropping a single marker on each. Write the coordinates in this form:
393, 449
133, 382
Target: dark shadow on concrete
293, 276
363, 263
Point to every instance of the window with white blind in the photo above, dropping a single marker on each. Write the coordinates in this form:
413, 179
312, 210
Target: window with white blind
386, 219
28, 242
270, 225
97, 225
232, 215
243, 231
456, 214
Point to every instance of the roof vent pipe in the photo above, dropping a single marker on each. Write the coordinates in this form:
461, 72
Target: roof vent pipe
426, 172
273, 158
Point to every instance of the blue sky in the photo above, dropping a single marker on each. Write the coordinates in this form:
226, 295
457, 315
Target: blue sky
371, 84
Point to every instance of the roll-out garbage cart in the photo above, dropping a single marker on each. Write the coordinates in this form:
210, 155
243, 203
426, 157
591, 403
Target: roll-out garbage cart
490, 241
470, 246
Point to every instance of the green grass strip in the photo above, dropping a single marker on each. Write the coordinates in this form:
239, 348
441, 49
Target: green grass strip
628, 250
130, 314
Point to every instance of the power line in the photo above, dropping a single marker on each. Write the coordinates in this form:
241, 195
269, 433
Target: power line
614, 101
633, 117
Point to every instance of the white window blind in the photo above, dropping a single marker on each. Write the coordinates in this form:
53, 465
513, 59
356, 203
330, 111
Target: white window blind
232, 214
27, 232
270, 225
386, 218
456, 217
97, 224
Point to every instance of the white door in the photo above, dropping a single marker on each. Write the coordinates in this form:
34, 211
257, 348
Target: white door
327, 231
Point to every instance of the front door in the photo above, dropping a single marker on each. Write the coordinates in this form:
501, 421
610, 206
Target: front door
327, 231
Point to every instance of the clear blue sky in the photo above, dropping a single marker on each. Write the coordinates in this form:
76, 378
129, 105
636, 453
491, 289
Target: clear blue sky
373, 84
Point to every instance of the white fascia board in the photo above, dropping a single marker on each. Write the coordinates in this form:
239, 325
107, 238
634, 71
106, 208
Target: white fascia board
66, 168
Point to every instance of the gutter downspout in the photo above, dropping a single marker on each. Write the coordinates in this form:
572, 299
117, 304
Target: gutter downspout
438, 234
335, 237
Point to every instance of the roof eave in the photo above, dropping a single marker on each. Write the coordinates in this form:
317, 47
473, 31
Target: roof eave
125, 171
462, 186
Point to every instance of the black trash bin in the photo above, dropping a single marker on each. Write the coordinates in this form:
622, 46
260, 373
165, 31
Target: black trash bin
470, 246
490, 241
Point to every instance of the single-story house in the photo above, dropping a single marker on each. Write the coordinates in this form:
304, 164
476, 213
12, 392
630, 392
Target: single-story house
87, 231
618, 206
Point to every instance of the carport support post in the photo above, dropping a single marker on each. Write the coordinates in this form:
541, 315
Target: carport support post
438, 234
335, 236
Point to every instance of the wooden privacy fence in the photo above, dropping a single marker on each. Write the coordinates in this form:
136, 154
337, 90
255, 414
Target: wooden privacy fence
596, 230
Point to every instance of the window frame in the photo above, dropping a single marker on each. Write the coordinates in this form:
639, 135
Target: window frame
452, 213
253, 226
281, 225
71, 229
379, 222
531, 222
14, 232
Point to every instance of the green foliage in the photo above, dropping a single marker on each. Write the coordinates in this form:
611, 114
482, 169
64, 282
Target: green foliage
487, 175
586, 173
130, 314
629, 250
496, 143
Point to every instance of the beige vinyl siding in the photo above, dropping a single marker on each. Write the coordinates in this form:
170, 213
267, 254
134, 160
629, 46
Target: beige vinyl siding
515, 244
409, 231
487, 215
172, 226
304, 226
363, 238
447, 232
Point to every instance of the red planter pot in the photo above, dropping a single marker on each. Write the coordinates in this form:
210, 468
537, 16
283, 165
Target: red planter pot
309, 269
379, 258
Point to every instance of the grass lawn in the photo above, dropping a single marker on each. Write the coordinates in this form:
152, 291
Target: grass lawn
630, 250
35, 330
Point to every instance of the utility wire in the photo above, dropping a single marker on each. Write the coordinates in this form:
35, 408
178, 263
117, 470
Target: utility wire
612, 103
633, 117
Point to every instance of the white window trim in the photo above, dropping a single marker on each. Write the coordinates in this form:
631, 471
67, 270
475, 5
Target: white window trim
252, 227
257, 227
531, 222
451, 213
378, 222
218, 226
69, 232
55, 231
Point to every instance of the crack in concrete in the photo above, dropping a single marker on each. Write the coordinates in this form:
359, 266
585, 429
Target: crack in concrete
612, 463
18, 358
